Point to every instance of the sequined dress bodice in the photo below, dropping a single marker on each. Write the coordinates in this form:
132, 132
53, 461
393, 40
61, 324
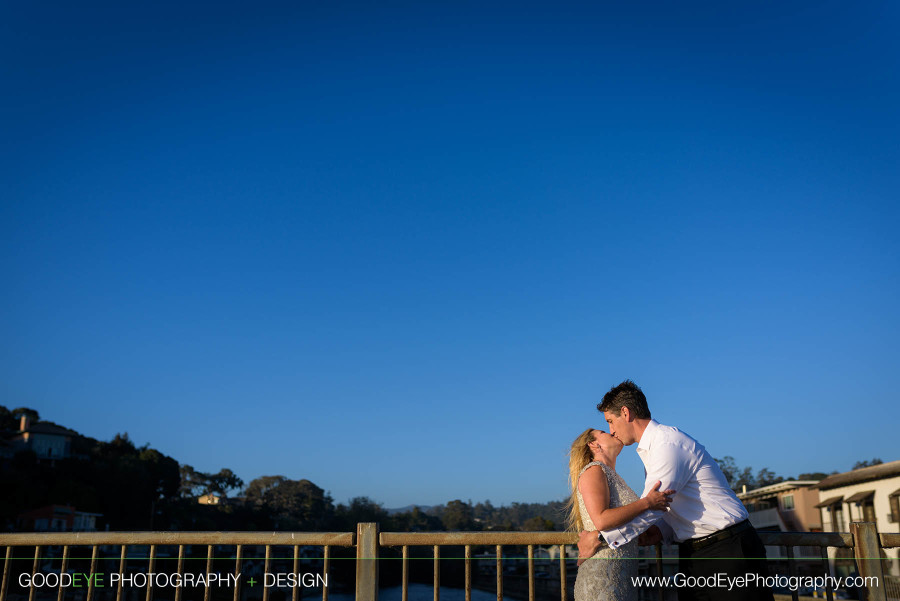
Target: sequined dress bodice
607, 574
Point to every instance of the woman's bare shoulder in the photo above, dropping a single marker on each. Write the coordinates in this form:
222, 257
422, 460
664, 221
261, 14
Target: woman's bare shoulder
592, 476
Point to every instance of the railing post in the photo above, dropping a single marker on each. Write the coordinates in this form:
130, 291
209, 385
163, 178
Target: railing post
367, 561
867, 550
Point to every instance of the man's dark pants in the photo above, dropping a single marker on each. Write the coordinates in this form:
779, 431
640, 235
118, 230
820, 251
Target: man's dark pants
742, 552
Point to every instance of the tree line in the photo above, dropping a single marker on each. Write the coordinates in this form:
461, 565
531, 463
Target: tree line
739, 477
140, 488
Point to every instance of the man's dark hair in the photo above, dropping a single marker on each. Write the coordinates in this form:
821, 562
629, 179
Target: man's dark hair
627, 394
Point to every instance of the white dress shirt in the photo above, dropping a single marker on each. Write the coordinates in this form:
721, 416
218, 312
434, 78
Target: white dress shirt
702, 504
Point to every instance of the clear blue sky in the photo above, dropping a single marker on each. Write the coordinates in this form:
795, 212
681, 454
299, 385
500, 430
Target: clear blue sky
403, 249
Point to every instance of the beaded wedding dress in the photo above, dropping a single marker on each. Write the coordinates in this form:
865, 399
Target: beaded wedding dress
606, 576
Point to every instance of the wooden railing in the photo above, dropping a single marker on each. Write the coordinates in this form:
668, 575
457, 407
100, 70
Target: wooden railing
467, 540
124, 540
866, 544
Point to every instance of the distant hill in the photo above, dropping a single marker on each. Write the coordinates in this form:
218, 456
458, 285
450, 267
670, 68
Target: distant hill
408, 508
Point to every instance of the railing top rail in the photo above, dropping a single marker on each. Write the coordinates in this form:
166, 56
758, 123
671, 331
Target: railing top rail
337, 539
807, 539
389, 539
889, 541
396, 539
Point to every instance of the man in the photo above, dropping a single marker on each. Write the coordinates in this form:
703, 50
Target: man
705, 518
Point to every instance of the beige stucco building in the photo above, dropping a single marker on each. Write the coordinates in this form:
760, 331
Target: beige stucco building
785, 507
869, 494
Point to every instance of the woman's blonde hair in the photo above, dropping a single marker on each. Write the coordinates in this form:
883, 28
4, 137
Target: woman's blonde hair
579, 456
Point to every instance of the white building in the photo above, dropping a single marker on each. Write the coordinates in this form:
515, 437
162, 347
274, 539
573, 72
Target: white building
48, 441
869, 494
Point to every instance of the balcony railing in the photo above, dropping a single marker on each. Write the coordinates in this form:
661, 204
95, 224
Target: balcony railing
864, 541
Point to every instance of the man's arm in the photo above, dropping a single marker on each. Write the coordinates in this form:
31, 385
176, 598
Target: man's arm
650, 536
666, 465
594, 490
660, 532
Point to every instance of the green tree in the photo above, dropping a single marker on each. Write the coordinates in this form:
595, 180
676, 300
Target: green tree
538, 524
224, 481
292, 504
359, 509
7, 420
765, 477
415, 521
458, 516
192, 483
195, 483
119, 446
739, 477
861, 464
164, 472
484, 511
32, 414
130, 483
256, 491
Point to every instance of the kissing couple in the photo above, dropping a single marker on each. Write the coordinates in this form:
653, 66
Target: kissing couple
686, 500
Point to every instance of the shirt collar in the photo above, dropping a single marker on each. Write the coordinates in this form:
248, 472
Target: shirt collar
649, 433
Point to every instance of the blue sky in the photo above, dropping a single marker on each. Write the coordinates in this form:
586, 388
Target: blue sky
402, 250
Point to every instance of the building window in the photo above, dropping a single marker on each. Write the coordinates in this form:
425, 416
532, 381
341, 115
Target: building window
894, 502
787, 502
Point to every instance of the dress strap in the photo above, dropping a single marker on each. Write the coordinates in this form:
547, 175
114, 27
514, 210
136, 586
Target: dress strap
592, 463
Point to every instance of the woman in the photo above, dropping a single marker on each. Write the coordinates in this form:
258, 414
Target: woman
600, 501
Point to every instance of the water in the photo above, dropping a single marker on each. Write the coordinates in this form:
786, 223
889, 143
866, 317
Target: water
421, 592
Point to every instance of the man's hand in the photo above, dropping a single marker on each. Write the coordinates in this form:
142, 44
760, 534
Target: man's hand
588, 544
648, 538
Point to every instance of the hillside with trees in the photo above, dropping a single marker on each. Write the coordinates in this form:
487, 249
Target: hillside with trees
139, 488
